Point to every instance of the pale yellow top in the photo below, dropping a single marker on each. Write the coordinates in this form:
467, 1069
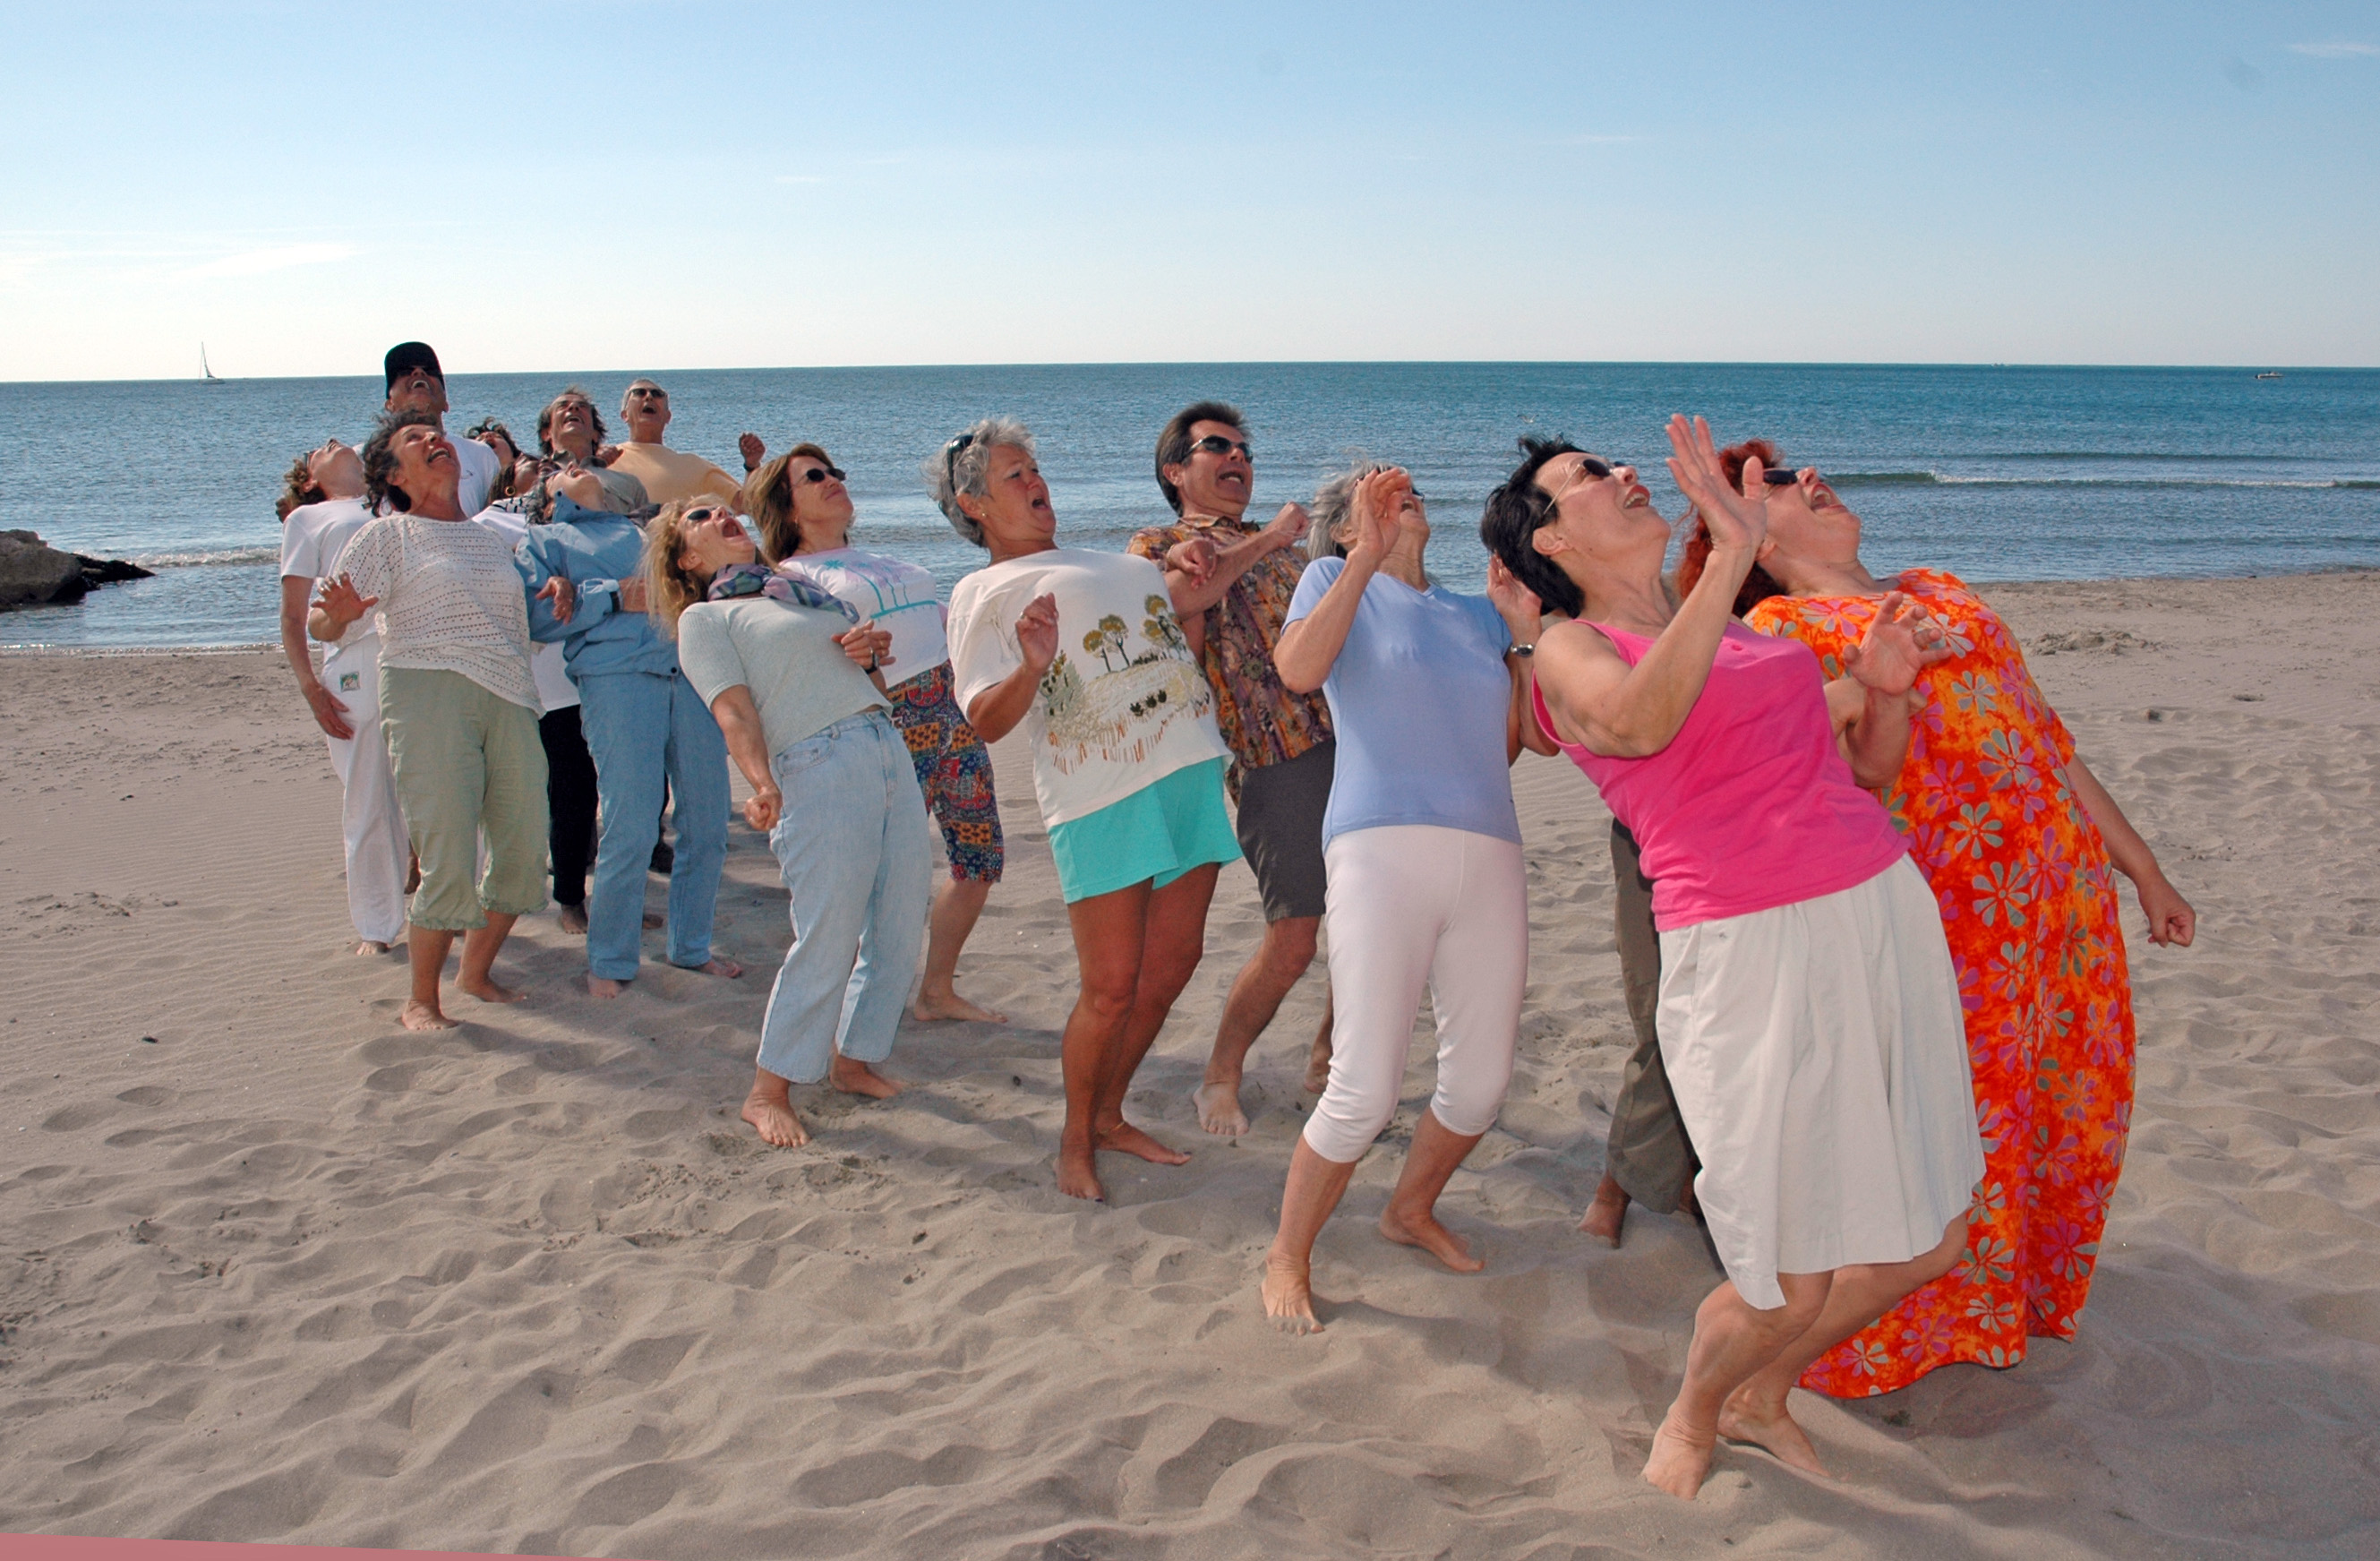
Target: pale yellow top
670, 475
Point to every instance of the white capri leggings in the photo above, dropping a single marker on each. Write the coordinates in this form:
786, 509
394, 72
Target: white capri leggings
1411, 904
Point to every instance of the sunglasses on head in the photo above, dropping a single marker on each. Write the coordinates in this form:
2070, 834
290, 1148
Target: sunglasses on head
951, 457
1216, 444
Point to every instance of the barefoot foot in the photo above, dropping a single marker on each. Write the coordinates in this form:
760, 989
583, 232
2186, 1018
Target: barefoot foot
1219, 1108
1680, 1462
606, 987
725, 969
487, 990
775, 1121
860, 1079
1770, 1428
1424, 1231
1609, 1209
1289, 1296
574, 919
655, 920
424, 1015
1124, 1139
372, 946
1317, 1068
1079, 1174
947, 1005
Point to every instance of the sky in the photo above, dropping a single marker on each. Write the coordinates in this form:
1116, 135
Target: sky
681, 186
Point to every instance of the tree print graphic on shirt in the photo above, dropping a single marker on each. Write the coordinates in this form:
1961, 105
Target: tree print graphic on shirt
1118, 713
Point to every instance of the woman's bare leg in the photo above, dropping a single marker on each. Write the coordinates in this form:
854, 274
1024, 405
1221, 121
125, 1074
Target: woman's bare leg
1756, 1411
1315, 1187
479, 946
956, 906
1732, 1341
1109, 931
425, 956
1411, 1217
1173, 939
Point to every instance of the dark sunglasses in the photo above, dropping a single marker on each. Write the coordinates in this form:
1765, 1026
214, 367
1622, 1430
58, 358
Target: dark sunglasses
1216, 444
705, 512
1590, 467
951, 458
650, 392
1779, 477
815, 474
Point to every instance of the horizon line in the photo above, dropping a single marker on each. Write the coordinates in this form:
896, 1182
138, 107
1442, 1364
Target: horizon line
1273, 363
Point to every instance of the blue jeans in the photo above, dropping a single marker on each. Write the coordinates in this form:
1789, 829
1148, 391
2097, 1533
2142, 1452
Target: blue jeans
641, 728
858, 852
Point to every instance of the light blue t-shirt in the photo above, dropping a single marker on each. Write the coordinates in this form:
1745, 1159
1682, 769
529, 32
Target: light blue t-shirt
1418, 697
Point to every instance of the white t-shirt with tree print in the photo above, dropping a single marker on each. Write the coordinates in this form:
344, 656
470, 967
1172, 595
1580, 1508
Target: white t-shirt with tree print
1123, 705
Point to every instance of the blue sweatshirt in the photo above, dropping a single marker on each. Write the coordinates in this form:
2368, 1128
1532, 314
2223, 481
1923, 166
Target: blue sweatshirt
594, 551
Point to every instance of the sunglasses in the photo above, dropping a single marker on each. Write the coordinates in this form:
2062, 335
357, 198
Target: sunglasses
649, 394
815, 474
705, 512
951, 458
1216, 444
1779, 477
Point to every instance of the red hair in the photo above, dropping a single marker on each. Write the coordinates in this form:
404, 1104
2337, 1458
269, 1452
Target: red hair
1759, 585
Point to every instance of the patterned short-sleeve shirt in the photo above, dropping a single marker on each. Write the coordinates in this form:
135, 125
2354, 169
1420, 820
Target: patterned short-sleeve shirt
1262, 721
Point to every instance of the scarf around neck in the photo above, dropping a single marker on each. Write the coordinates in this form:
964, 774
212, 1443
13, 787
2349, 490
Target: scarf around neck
756, 580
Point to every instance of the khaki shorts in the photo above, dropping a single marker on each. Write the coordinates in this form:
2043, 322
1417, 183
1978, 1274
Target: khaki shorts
466, 761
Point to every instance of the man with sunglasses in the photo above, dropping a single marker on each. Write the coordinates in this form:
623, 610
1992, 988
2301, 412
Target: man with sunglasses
1231, 584
416, 383
668, 475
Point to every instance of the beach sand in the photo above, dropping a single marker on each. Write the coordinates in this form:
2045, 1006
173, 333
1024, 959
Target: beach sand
272, 1268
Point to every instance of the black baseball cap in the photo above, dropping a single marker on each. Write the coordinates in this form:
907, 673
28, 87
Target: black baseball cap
407, 355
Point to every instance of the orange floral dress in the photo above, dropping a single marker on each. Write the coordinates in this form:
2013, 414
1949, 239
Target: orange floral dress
2029, 904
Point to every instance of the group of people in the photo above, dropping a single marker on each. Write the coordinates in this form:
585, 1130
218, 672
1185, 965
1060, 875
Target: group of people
1864, 890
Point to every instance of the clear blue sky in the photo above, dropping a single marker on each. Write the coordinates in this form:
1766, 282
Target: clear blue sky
694, 185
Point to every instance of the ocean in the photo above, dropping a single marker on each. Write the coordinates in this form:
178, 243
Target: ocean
1998, 473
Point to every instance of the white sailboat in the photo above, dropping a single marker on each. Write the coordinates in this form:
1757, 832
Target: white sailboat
208, 375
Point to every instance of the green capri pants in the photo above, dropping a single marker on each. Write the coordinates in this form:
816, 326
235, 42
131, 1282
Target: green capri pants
466, 761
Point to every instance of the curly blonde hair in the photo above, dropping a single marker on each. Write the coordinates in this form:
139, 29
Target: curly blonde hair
669, 587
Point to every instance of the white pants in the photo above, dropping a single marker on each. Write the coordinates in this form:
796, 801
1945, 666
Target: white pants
377, 846
1409, 906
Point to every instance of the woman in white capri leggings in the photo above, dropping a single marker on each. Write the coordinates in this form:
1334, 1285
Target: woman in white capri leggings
1422, 851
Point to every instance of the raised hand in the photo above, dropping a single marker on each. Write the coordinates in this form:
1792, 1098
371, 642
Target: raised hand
1194, 557
1037, 633
1738, 518
1288, 529
1523, 614
562, 594
1902, 641
1377, 514
343, 602
754, 451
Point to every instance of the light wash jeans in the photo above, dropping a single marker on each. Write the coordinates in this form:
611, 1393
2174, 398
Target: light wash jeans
641, 727
856, 846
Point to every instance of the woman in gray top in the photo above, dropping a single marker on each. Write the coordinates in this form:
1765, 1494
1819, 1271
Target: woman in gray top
793, 682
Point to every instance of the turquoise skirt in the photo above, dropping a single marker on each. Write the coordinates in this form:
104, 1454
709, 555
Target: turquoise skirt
1154, 835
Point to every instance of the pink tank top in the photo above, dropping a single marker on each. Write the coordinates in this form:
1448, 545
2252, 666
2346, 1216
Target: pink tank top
1750, 806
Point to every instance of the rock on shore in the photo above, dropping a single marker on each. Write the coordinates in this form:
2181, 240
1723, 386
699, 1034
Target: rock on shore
34, 574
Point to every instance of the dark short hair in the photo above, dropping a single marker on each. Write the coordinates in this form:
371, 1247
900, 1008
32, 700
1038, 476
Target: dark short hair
380, 460
1516, 508
545, 417
1173, 440
299, 487
768, 501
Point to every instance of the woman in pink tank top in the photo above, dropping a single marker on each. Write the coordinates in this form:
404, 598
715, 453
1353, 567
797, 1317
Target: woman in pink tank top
1808, 1015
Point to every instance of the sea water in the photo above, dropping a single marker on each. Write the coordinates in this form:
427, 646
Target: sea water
1998, 473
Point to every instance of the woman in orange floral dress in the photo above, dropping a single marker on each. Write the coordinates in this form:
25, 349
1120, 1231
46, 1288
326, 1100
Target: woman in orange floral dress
2018, 838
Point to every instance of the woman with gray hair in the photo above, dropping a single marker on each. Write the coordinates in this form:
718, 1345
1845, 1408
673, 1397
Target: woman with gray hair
1082, 650
1422, 848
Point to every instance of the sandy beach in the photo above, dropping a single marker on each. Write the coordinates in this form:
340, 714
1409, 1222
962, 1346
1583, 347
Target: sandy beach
272, 1268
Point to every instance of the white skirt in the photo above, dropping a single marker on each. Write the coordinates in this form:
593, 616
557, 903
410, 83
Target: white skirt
1818, 1052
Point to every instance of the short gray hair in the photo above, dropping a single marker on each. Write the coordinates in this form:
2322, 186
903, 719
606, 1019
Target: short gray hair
960, 466
1334, 501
